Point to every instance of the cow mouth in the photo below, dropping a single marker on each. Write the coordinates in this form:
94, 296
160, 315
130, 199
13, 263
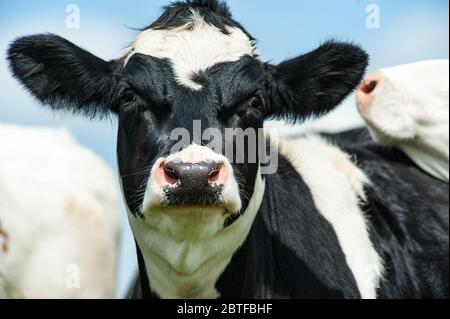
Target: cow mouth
212, 201
194, 210
221, 207
211, 204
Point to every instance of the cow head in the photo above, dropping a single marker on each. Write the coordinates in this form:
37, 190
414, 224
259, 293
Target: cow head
406, 102
407, 107
194, 65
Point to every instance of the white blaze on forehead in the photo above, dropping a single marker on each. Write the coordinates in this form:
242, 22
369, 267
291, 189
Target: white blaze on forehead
193, 47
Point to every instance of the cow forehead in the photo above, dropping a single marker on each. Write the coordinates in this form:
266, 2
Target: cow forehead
193, 47
427, 77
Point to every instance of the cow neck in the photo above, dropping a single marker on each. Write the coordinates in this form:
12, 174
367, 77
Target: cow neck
211, 256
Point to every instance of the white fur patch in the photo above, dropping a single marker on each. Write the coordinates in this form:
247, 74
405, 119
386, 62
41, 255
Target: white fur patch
410, 110
337, 186
186, 253
193, 47
60, 211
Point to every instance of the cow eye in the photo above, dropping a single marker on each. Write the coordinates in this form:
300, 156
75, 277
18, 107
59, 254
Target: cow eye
255, 102
128, 96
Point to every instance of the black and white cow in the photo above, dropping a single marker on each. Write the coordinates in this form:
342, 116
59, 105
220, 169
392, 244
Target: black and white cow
332, 222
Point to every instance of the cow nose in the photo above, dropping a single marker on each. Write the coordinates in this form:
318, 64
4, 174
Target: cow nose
187, 184
366, 92
192, 175
369, 86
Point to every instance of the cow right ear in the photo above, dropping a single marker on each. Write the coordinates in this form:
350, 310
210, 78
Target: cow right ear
313, 84
64, 76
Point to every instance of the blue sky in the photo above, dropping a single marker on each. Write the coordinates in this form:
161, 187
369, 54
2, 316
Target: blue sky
410, 30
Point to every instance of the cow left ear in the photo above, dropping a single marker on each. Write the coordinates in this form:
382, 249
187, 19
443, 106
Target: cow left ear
64, 76
315, 83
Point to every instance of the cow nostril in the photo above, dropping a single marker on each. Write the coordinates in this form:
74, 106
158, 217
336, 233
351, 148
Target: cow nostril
170, 174
214, 174
369, 87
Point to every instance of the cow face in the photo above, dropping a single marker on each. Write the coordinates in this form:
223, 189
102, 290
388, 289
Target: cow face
407, 107
193, 66
405, 102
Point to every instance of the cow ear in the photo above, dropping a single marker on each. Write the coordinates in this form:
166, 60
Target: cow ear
64, 76
315, 83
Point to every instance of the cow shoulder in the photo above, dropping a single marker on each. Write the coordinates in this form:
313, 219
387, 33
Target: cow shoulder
408, 213
337, 186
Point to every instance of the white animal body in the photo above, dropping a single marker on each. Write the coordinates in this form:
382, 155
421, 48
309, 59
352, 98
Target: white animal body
59, 217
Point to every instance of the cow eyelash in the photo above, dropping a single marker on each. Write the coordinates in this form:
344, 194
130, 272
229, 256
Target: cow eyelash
254, 101
128, 95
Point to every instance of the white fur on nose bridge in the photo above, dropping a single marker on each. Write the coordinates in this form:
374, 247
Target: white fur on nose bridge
197, 154
193, 47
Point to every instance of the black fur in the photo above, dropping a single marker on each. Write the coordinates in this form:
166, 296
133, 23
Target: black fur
63, 75
315, 83
214, 12
408, 212
349, 138
291, 251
